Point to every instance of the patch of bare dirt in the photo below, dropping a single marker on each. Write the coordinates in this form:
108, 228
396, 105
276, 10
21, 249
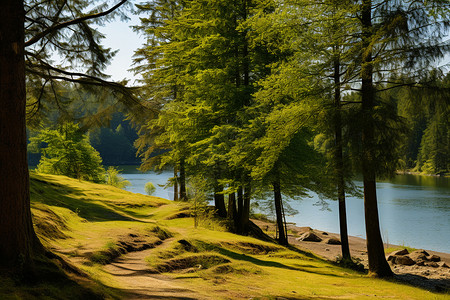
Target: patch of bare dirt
138, 282
126, 243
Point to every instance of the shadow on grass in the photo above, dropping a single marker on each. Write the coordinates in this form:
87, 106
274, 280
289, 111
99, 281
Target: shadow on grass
274, 264
137, 214
146, 294
430, 284
49, 282
264, 263
54, 194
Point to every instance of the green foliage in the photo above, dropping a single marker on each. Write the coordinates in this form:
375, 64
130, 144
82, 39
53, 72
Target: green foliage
252, 93
150, 188
200, 210
67, 151
434, 152
425, 110
113, 178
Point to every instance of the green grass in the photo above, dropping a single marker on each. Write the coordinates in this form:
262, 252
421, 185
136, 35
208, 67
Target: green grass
392, 249
89, 224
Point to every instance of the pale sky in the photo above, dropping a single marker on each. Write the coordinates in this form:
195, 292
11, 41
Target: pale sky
119, 36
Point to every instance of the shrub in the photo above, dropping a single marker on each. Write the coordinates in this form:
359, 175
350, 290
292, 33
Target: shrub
150, 188
113, 178
67, 151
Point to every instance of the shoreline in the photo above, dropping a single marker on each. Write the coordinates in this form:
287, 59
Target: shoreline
268, 227
398, 172
426, 276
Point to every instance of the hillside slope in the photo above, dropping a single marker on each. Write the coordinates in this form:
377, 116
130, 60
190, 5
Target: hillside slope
115, 244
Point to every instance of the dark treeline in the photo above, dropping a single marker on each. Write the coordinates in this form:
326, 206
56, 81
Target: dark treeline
114, 143
99, 114
281, 97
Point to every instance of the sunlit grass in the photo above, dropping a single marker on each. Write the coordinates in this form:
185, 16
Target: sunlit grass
392, 249
85, 222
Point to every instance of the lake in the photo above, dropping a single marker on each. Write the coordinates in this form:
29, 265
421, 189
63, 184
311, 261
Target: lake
414, 210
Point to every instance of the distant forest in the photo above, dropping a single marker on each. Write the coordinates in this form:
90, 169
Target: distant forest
426, 145
113, 142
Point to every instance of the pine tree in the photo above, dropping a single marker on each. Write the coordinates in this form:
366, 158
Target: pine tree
157, 142
315, 43
207, 57
390, 31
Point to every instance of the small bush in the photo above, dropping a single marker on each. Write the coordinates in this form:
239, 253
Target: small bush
150, 188
112, 177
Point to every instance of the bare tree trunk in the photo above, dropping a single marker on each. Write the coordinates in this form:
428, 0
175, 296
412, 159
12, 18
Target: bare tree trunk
339, 162
240, 210
219, 202
183, 196
245, 216
282, 237
18, 241
378, 266
232, 211
175, 183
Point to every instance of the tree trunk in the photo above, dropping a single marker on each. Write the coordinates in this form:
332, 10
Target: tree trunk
378, 266
240, 209
18, 241
245, 216
183, 196
232, 211
339, 162
175, 183
219, 202
282, 237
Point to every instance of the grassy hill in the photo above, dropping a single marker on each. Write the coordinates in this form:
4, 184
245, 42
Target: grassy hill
89, 225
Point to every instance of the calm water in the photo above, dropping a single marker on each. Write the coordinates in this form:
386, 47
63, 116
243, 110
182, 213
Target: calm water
414, 210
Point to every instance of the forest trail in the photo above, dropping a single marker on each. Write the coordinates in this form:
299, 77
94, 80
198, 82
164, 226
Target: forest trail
131, 271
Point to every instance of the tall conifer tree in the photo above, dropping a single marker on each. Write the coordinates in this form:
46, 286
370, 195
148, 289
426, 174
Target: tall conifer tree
29, 32
395, 36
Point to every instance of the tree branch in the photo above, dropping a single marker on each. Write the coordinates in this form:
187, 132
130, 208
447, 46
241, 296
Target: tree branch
51, 29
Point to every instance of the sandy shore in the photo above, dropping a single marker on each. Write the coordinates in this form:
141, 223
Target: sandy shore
436, 278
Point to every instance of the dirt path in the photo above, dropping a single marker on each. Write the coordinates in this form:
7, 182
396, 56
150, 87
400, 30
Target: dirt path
131, 271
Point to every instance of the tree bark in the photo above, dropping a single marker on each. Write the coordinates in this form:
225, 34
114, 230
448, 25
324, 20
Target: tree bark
219, 202
378, 266
175, 183
282, 237
18, 241
240, 210
232, 211
245, 216
183, 196
339, 162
